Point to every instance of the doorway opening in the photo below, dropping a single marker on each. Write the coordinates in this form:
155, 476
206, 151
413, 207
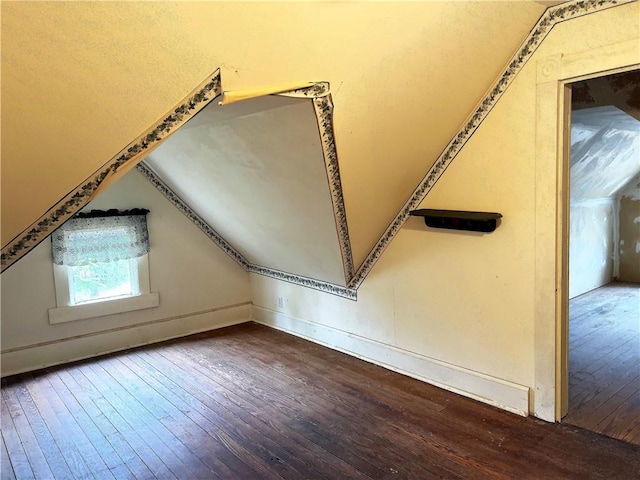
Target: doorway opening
604, 256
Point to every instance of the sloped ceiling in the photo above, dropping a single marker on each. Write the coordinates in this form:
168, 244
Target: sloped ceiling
80, 80
254, 171
605, 152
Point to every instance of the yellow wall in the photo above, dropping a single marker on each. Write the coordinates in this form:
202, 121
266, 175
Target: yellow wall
200, 288
80, 80
403, 77
468, 301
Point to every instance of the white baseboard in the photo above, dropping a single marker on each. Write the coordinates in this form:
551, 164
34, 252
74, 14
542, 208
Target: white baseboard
47, 354
494, 391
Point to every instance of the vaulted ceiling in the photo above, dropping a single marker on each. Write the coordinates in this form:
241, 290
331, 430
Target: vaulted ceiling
255, 172
80, 80
605, 152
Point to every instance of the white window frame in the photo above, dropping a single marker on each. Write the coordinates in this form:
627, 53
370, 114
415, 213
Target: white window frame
67, 312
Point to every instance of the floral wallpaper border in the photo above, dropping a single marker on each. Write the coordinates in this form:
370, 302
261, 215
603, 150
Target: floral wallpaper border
202, 96
326, 287
549, 19
314, 90
211, 88
177, 202
323, 107
81, 195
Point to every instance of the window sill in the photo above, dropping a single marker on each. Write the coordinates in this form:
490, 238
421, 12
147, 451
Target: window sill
100, 309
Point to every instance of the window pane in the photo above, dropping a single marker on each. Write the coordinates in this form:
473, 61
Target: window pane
97, 281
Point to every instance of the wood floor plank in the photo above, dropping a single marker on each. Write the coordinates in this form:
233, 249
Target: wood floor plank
587, 398
35, 455
402, 429
232, 461
220, 458
604, 360
153, 417
88, 428
269, 452
140, 440
411, 421
597, 310
571, 457
249, 402
57, 462
19, 462
6, 471
115, 438
590, 372
82, 457
64, 427
157, 437
559, 464
334, 467
310, 417
634, 435
624, 418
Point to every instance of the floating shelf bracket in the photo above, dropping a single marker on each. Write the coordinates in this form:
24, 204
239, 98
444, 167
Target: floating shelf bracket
459, 220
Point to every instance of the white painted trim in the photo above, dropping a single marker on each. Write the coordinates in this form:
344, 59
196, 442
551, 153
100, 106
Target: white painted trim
103, 308
46, 354
551, 285
494, 391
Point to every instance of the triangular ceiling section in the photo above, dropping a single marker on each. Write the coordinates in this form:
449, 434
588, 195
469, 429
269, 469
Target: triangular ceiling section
261, 178
374, 165
603, 139
91, 76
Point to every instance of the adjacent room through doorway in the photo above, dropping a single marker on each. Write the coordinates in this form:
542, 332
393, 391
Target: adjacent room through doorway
604, 257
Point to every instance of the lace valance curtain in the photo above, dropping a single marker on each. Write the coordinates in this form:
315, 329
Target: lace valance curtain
101, 237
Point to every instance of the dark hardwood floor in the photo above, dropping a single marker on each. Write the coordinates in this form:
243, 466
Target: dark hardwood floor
604, 361
249, 402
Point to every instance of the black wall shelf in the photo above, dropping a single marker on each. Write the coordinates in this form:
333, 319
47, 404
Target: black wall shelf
459, 220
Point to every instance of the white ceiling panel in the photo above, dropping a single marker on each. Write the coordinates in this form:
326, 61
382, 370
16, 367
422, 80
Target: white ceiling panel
605, 152
255, 172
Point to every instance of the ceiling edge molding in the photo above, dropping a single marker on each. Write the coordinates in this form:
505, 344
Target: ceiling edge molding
77, 198
551, 17
326, 287
216, 238
323, 107
315, 90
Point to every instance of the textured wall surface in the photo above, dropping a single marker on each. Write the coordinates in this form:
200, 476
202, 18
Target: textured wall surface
605, 155
188, 274
466, 300
107, 71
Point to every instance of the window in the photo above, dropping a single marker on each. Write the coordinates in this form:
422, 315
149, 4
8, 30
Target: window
102, 281
101, 265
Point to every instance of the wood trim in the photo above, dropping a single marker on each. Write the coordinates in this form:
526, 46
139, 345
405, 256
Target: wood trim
507, 395
45, 354
104, 308
552, 197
